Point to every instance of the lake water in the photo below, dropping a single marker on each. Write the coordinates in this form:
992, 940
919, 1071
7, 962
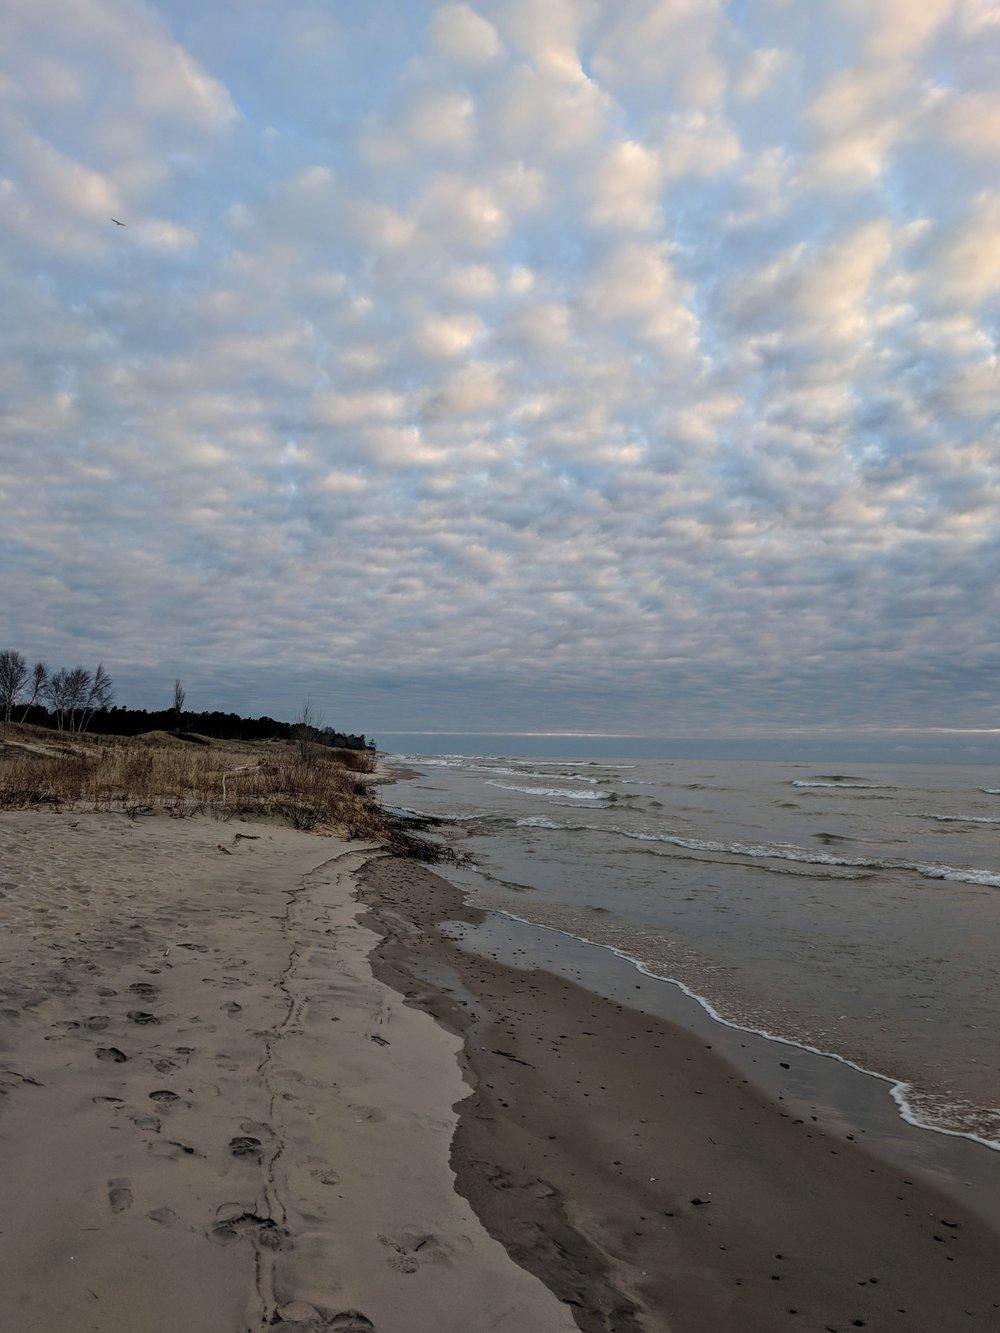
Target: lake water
855, 909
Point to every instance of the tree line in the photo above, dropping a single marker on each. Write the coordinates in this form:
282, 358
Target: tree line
76, 699
72, 694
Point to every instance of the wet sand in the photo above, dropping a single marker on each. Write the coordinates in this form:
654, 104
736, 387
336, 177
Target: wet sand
212, 1115
646, 1180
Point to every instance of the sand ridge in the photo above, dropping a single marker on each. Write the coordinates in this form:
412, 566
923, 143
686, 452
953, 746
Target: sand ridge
213, 1116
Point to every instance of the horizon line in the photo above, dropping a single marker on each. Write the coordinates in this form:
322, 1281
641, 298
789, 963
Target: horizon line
759, 735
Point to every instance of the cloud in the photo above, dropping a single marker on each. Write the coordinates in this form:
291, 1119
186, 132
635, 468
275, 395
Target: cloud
636, 286
965, 270
760, 70
627, 186
608, 366
463, 35
668, 44
696, 144
448, 336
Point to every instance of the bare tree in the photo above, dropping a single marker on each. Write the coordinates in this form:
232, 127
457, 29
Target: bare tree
75, 695
99, 695
179, 697
39, 680
13, 678
78, 686
307, 727
57, 693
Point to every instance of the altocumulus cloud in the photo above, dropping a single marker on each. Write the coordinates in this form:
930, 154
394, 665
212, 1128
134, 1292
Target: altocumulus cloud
596, 364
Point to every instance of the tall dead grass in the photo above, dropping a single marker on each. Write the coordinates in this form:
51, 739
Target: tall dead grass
224, 782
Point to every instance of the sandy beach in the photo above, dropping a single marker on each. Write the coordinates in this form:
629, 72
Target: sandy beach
214, 1117
249, 1083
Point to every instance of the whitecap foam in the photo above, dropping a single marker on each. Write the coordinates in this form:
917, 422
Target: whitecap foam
452, 761
538, 821
991, 791
962, 819
842, 786
550, 791
531, 773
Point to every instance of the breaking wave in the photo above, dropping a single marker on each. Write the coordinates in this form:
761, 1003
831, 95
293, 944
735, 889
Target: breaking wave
962, 819
789, 852
550, 791
532, 773
841, 786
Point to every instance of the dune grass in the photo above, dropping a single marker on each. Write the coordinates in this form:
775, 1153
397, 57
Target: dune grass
313, 790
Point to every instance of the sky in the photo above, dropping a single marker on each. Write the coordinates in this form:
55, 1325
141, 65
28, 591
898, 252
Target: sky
593, 366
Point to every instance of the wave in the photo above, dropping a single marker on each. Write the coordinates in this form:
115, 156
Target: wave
592, 763
810, 873
452, 761
962, 819
550, 791
842, 786
991, 791
531, 773
902, 1093
785, 851
803, 855
539, 821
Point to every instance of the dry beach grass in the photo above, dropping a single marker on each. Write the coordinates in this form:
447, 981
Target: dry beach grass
309, 787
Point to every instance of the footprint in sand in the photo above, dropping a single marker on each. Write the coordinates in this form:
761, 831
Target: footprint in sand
231, 1008
409, 1251
314, 1319
120, 1194
243, 1145
168, 1218
111, 1053
232, 1225
141, 1017
172, 1149
150, 1122
143, 990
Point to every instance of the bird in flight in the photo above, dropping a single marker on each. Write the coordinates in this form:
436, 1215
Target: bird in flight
117, 223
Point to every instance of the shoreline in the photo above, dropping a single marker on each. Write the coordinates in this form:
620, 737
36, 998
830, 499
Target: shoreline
903, 1091
770, 1174
892, 978
897, 1088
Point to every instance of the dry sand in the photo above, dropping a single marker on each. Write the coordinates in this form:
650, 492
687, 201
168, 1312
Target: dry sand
213, 1116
